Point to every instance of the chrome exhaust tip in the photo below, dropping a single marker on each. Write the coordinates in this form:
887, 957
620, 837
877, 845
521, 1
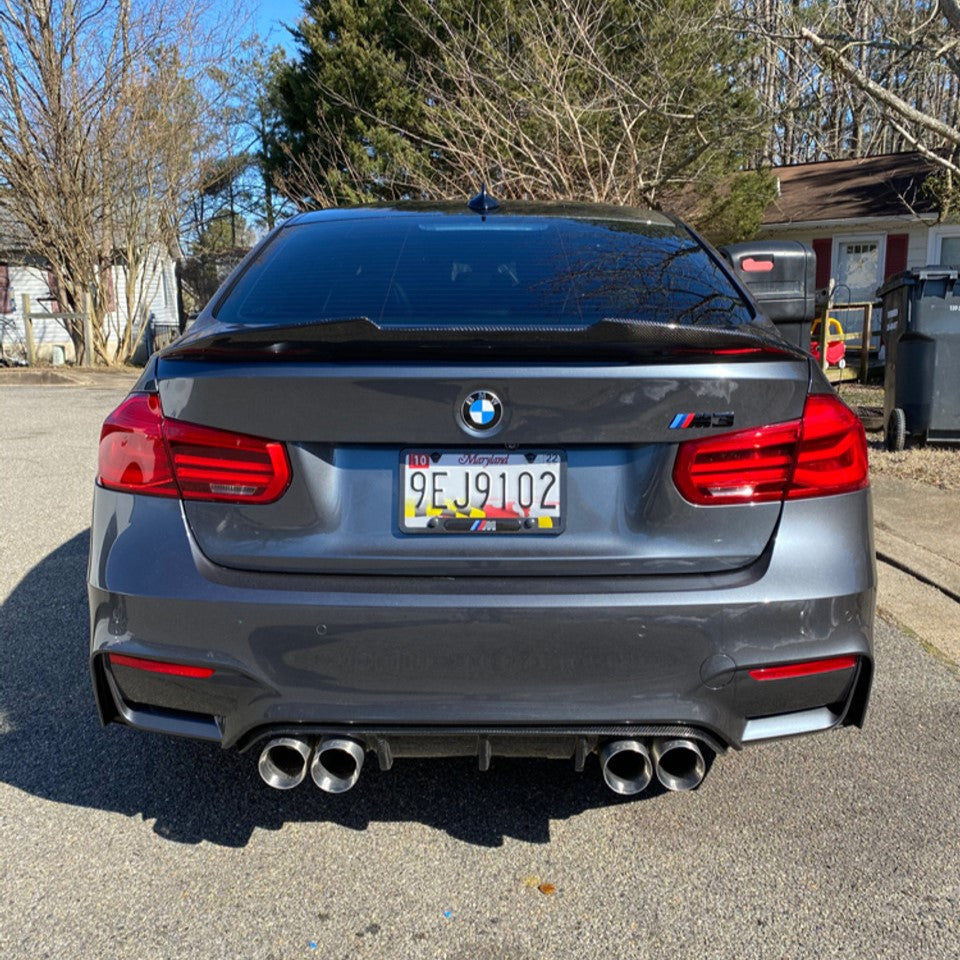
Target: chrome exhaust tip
336, 764
283, 763
626, 766
679, 763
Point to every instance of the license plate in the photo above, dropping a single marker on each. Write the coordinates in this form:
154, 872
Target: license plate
478, 491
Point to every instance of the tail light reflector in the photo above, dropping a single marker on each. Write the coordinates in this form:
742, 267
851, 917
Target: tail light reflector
160, 666
807, 668
141, 451
824, 452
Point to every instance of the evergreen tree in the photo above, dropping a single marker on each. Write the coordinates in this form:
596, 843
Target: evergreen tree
623, 101
349, 104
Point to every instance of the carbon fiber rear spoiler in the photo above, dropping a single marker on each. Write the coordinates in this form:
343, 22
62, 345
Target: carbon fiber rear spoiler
612, 339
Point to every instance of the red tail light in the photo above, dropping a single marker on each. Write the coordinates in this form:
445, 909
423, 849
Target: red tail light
825, 452
133, 455
833, 450
143, 452
217, 465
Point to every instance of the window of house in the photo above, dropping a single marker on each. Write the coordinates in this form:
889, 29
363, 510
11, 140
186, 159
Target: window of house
949, 251
943, 245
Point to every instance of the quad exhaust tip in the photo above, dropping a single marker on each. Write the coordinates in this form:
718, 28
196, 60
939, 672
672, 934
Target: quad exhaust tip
626, 765
336, 764
283, 763
679, 764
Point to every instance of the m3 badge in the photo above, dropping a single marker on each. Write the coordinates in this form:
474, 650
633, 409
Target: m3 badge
686, 421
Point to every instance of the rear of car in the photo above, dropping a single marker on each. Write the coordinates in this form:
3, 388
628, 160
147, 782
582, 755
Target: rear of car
423, 482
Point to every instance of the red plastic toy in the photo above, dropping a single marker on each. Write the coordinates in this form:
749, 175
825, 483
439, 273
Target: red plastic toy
836, 343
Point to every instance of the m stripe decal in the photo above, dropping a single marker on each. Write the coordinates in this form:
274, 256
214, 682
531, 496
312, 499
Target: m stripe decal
702, 420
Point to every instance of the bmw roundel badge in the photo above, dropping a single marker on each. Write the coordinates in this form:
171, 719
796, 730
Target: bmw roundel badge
481, 411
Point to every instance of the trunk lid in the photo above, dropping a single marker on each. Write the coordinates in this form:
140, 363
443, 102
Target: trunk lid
347, 424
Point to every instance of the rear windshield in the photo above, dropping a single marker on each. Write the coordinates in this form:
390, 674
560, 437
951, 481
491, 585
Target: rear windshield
459, 271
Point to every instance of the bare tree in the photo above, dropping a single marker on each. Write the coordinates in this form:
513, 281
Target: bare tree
598, 100
859, 78
102, 112
239, 199
166, 129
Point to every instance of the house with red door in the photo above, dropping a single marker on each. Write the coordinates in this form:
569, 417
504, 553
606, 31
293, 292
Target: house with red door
866, 220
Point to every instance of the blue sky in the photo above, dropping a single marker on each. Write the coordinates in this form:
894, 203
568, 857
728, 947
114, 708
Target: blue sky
268, 15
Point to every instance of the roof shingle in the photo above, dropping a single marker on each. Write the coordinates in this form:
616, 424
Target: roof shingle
886, 186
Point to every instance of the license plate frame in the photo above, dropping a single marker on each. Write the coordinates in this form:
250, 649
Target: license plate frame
545, 517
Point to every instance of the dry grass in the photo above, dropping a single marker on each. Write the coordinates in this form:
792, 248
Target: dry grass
938, 466
858, 395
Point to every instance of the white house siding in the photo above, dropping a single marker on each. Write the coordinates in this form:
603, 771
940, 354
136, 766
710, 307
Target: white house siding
916, 230
837, 232
917, 248
158, 300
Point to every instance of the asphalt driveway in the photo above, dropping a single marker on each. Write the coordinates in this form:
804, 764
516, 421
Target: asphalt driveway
118, 844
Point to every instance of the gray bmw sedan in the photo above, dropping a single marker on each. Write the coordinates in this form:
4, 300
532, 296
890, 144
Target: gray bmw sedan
452, 479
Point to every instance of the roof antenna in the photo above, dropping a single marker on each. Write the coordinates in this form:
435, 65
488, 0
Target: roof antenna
483, 203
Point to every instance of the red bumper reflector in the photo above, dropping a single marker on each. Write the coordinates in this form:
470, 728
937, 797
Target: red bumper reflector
806, 669
160, 666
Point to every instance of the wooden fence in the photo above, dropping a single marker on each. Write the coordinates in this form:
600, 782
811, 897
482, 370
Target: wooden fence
29, 315
864, 335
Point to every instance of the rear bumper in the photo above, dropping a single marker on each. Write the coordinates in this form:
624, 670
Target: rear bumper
422, 657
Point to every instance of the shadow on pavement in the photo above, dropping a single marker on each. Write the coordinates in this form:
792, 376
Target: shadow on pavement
52, 746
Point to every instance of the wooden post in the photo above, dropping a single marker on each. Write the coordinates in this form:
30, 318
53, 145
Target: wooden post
28, 331
865, 343
88, 331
